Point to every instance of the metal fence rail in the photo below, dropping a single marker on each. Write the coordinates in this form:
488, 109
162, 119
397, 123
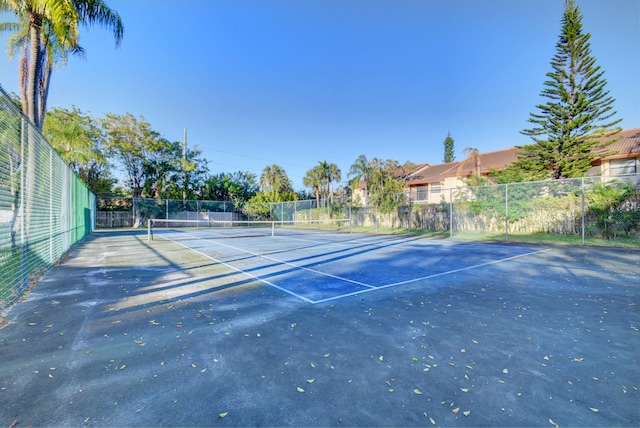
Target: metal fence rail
44, 207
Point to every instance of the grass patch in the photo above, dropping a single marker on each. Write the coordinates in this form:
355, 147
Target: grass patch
551, 238
402, 231
538, 238
381, 230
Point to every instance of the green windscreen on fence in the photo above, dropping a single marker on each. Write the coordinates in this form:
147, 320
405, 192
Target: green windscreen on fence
44, 207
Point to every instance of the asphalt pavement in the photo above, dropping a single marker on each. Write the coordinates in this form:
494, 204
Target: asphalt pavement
126, 333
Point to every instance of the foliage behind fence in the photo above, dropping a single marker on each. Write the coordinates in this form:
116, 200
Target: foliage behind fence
44, 207
587, 207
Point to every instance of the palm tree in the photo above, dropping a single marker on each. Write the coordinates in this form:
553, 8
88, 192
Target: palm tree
360, 171
473, 158
47, 31
275, 185
313, 179
324, 168
333, 175
378, 172
329, 173
274, 179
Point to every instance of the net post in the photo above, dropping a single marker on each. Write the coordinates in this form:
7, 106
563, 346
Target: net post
148, 230
273, 228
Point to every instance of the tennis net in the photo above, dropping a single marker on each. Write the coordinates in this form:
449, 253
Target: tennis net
202, 229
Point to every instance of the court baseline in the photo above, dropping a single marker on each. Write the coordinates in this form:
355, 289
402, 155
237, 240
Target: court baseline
327, 288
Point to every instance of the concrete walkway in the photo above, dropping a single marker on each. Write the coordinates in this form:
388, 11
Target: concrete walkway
123, 333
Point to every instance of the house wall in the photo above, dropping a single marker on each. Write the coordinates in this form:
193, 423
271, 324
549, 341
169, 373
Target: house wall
431, 193
434, 193
626, 170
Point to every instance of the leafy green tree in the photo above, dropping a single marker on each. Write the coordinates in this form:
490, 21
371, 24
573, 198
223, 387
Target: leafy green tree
162, 159
578, 113
257, 207
510, 174
449, 151
78, 139
128, 142
238, 186
153, 166
188, 174
605, 202
385, 183
46, 31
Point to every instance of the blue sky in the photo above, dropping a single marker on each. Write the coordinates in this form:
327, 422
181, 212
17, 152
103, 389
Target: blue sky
295, 82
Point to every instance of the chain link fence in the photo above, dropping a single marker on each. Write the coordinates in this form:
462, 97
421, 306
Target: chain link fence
590, 207
44, 207
114, 212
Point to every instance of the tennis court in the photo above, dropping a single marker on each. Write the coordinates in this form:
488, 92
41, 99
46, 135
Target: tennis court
319, 265
324, 329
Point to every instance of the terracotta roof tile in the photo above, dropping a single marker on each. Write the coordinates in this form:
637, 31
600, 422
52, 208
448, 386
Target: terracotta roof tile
488, 161
430, 174
628, 144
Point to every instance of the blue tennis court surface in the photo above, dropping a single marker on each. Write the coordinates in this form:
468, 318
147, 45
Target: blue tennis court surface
326, 266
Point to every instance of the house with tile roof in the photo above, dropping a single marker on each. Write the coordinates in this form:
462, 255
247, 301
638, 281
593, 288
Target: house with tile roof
427, 183
624, 164
434, 183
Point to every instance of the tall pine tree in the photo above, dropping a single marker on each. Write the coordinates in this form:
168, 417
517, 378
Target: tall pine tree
578, 113
449, 155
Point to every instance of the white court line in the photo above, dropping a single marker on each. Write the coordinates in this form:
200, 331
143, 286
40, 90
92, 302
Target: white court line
288, 263
409, 281
378, 243
250, 275
242, 271
368, 286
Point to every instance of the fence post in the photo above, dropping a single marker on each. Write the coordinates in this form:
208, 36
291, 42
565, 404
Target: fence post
23, 200
506, 211
409, 215
583, 216
451, 213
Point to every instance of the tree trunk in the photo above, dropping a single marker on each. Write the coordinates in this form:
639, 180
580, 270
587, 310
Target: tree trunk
23, 69
35, 25
44, 92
